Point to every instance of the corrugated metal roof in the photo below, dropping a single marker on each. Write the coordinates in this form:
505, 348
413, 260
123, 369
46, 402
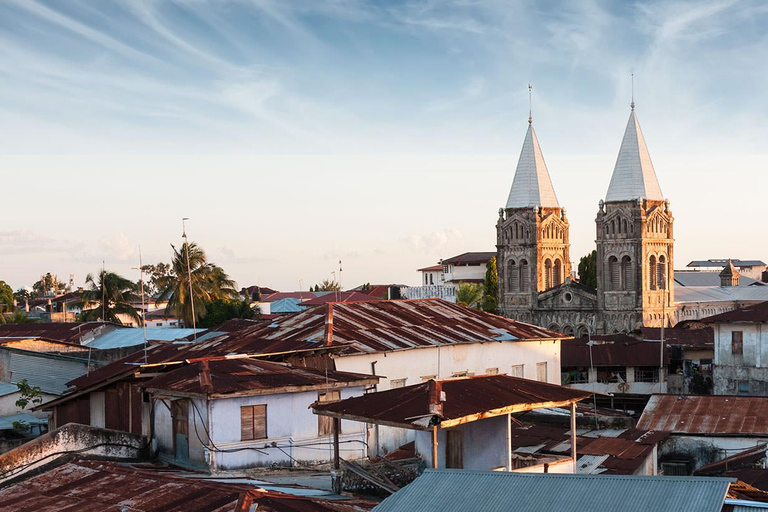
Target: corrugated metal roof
611, 350
8, 389
420, 406
50, 373
6, 422
114, 487
707, 415
755, 313
633, 175
697, 278
244, 375
532, 185
470, 258
495, 491
688, 338
721, 263
133, 336
71, 332
286, 305
340, 297
684, 294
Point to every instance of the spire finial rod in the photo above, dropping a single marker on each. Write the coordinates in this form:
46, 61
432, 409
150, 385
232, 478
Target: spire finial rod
530, 103
632, 76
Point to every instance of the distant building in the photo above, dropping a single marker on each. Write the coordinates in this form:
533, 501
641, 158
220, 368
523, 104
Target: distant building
440, 281
741, 351
749, 268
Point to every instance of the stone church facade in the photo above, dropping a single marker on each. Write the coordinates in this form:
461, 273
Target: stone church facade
635, 247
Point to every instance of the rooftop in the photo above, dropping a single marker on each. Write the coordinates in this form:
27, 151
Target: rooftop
340, 297
132, 336
71, 332
470, 258
610, 350
685, 294
707, 415
452, 490
450, 402
754, 313
719, 263
699, 278
292, 295
251, 377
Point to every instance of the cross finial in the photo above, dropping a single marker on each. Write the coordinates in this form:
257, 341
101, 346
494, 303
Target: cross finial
530, 103
632, 75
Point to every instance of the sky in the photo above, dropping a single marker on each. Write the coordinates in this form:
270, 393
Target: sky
294, 134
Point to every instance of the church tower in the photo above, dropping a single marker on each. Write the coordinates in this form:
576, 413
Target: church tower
634, 241
531, 235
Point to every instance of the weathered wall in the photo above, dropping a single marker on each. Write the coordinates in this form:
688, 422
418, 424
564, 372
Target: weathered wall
485, 444
751, 366
703, 450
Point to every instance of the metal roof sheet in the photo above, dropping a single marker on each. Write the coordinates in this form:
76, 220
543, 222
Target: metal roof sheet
133, 336
421, 405
753, 313
71, 332
340, 297
697, 278
532, 185
48, 372
685, 294
633, 175
491, 491
242, 375
707, 415
470, 258
286, 305
611, 350
7, 388
719, 263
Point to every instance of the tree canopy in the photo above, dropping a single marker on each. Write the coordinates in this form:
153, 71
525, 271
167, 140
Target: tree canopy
221, 310
588, 270
469, 294
491, 287
107, 296
328, 285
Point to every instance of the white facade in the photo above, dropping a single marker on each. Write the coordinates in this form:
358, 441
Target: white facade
639, 380
413, 366
744, 373
485, 444
214, 435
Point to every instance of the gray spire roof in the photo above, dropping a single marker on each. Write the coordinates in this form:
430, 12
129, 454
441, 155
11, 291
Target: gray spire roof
532, 185
633, 176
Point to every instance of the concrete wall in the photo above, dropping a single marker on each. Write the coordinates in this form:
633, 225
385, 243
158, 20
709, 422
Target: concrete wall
630, 386
8, 404
485, 444
703, 450
443, 362
751, 367
292, 430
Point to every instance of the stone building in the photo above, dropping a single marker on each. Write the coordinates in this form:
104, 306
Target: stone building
635, 247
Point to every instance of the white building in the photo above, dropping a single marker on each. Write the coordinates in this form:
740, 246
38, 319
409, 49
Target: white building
411, 341
240, 413
750, 268
441, 280
741, 351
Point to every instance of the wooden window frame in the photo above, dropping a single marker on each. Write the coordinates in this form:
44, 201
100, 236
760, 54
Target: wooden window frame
248, 422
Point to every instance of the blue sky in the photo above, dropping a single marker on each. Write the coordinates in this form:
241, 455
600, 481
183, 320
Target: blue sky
385, 134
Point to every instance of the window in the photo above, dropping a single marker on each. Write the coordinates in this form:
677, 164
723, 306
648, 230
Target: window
446, 269
574, 375
174, 324
518, 370
397, 383
661, 274
253, 422
525, 277
547, 274
491, 371
614, 274
325, 423
541, 372
674, 468
514, 277
159, 324
557, 273
742, 387
646, 374
431, 281
737, 343
612, 374
652, 273
626, 273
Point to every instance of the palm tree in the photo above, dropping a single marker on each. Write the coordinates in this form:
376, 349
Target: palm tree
109, 295
209, 283
469, 294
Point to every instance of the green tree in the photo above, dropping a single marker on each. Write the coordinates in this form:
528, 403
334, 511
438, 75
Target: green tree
17, 317
220, 310
29, 395
588, 270
209, 283
469, 294
107, 296
328, 285
491, 287
6, 300
21, 295
48, 284
154, 275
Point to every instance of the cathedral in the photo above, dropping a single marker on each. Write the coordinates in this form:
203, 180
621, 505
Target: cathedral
634, 247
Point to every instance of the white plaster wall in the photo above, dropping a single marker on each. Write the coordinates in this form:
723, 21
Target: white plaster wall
755, 345
467, 272
484, 444
443, 362
8, 405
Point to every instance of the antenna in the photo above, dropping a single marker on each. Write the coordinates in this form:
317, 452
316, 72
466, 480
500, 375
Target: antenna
103, 294
189, 276
530, 103
632, 77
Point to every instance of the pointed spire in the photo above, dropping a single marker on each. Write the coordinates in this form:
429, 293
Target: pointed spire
633, 176
532, 185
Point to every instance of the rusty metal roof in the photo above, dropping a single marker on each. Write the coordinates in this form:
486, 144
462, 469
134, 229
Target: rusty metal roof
70, 332
686, 338
470, 258
85, 485
400, 324
707, 415
449, 402
754, 313
748, 458
251, 376
352, 296
611, 350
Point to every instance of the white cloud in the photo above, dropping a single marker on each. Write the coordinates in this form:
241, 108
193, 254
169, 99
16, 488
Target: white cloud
434, 241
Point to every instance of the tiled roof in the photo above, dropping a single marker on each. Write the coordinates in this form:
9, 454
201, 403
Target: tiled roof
423, 405
470, 258
531, 185
433, 268
251, 376
633, 176
707, 415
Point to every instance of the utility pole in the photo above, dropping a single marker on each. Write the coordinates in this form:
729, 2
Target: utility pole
143, 307
189, 276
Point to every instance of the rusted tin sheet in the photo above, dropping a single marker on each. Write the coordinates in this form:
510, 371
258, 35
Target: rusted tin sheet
707, 415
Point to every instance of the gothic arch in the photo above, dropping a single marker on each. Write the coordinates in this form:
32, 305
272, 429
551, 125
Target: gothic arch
513, 276
525, 275
661, 273
557, 272
614, 279
547, 274
582, 330
626, 273
652, 272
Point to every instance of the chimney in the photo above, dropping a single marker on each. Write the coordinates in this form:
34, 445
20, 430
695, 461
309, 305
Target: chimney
729, 276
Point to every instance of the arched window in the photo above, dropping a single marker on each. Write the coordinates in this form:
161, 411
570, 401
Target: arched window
625, 225
606, 229
661, 273
557, 273
613, 273
547, 274
613, 227
525, 276
431, 279
626, 273
514, 277
652, 273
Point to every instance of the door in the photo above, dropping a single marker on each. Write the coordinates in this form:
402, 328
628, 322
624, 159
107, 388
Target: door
180, 417
454, 450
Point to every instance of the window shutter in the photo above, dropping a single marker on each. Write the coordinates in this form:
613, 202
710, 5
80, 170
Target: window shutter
259, 421
246, 423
